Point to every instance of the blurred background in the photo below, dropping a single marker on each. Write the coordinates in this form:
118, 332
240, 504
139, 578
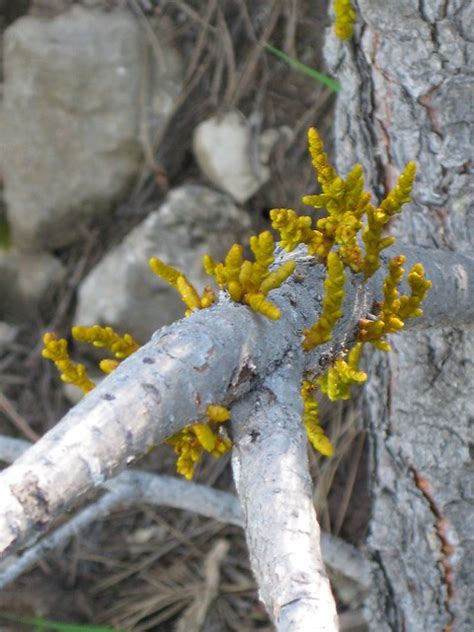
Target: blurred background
130, 129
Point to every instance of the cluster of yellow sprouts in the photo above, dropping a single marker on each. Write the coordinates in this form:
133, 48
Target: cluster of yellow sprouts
345, 18
249, 282
395, 309
190, 442
315, 433
349, 238
102, 337
336, 382
378, 218
347, 205
186, 289
322, 330
56, 350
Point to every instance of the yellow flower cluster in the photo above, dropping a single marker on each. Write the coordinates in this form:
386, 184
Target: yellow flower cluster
187, 291
346, 203
395, 309
316, 435
106, 338
340, 240
55, 349
345, 18
101, 337
190, 442
322, 330
378, 218
343, 228
336, 382
249, 282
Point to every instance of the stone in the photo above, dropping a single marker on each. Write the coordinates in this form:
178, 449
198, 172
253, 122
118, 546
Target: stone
73, 114
28, 282
8, 333
231, 156
123, 292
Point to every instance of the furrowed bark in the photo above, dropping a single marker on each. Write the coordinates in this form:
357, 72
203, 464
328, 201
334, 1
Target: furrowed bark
215, 356
275, 489
407, 78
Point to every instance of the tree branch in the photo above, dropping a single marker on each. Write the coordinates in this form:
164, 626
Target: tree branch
275, 489
129, 488
215, 356
134, 487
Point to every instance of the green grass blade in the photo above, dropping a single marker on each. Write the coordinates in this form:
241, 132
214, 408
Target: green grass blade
330, 83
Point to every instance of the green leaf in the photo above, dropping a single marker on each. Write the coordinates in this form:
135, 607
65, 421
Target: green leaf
44, 625
329, 82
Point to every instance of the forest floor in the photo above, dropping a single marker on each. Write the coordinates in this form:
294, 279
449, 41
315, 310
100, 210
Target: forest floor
140, 569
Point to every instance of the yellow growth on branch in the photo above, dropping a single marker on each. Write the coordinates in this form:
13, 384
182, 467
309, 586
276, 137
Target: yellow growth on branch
315, 432
106, 338
186, 289
194, 439
345, 18
322, 330
350, 236
395, 309
55, 349
378, 218
249, 282
336, 382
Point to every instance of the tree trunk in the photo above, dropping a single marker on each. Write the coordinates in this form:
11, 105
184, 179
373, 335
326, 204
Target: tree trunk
408, 95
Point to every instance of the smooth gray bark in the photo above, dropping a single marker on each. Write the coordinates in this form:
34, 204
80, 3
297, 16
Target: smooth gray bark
408, 95
272, 478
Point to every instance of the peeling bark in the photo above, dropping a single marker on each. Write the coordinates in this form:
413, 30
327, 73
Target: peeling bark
408, 95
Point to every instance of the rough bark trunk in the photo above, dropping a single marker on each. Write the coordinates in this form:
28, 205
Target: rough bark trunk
408, 95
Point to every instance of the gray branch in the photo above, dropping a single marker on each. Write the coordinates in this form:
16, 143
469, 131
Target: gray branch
215, 356
272, 478
133, 487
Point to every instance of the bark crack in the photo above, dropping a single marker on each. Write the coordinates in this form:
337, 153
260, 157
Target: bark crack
441, 526
392, 617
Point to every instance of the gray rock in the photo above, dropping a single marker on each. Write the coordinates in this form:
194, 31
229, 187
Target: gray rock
8, 333
231, 157
73, 113
123, 292
27, 283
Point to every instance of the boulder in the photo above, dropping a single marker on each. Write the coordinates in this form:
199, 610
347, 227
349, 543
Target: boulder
123, 292
231, 156
8, 333
28, 282
72, 116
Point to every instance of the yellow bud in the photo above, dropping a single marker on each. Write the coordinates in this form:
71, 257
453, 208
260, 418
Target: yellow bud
205, 436
218, 414
107, 366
